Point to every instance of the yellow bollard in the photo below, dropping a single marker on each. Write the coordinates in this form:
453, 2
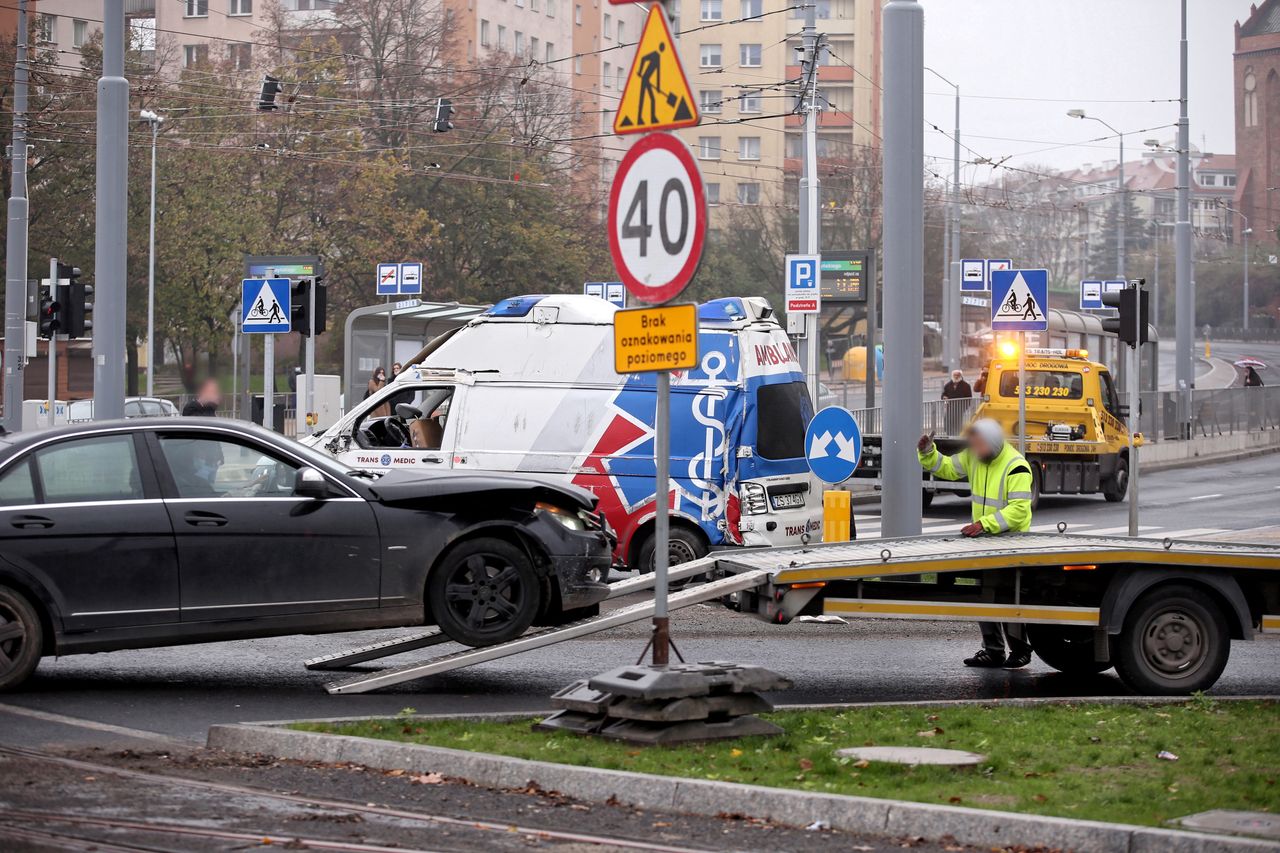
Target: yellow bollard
1207, 351
837, 514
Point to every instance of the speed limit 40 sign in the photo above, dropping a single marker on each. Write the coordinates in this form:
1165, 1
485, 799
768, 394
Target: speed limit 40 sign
657, 218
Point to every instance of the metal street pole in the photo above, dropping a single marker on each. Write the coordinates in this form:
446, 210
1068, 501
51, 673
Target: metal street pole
15, 268
1183, 297
810, 225
311, 355
952, 306
662, 521
53, 345
1135, 404
154, 120
111, 220
269, 374
1022, 393
903, 71
1123, 218
1245, 233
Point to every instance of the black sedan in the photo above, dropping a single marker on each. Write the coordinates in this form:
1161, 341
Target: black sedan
129, 534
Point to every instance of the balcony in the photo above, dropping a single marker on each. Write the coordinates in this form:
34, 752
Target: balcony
140, 8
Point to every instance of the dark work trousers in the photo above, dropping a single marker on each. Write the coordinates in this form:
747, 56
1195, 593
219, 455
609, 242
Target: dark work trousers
994, 635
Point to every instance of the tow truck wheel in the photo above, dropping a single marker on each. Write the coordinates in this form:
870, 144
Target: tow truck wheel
1037, 481
1066, 648
21, 638
484, 592
1175, 641
1117, 485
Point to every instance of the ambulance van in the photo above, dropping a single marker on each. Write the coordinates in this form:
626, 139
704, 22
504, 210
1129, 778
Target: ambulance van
529, 387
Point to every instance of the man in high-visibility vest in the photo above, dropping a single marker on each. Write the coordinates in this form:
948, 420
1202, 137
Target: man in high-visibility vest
1000, 488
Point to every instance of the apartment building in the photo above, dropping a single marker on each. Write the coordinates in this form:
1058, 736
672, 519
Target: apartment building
739, 56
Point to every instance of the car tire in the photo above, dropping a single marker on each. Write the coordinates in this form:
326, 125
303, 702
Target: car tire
1037, 483
1175, 641
1066, 648
1117, 485
683, 546
484, 592
21, 638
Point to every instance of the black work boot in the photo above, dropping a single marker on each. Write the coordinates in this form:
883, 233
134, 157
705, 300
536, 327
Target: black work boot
985, 658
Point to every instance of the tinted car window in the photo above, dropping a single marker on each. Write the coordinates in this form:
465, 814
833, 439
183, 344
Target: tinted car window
217, 468
90, 469
783, 412
16, 486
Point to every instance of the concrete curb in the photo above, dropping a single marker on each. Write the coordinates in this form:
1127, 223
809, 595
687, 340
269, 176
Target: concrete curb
868, 815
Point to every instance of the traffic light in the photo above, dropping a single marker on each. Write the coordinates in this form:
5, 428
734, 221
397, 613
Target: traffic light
1131, 303
300, 299
444, 111
50, 313
267, 95
77, 302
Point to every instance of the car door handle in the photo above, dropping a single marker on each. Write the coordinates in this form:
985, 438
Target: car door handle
31, 522
436, 459
204, 519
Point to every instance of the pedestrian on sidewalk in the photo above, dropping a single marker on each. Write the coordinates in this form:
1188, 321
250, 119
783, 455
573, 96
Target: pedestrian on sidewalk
206, 402
1000, 488
956, 394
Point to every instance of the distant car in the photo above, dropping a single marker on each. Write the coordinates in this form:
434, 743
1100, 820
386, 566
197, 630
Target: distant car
134, 407
127, 534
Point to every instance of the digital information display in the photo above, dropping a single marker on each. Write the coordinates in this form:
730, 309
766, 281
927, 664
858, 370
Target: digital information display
844, 276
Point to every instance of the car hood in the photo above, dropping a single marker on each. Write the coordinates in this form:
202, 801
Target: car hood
397, 486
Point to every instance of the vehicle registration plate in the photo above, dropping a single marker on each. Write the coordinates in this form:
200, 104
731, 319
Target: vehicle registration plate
788, 501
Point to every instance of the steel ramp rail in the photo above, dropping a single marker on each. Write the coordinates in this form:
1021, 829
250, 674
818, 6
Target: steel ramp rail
434, 637
365, 682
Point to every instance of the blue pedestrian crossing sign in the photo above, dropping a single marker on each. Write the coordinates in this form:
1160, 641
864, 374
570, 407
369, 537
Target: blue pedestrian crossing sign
1019, 300
264, 306
833, 445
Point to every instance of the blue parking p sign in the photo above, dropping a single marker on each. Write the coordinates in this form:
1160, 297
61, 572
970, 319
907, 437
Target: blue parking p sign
803, 293
264, 306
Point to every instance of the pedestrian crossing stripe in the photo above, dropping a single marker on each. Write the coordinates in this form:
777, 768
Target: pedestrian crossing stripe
656, 95
1019, 304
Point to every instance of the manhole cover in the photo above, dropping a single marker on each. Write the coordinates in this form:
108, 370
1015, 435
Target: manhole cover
914, 755
1233, 822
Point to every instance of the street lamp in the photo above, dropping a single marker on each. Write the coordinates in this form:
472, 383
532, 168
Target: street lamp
155, 120
1245, 233
952, 307
1124, 206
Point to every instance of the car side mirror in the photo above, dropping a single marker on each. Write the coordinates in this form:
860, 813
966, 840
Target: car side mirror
310, 483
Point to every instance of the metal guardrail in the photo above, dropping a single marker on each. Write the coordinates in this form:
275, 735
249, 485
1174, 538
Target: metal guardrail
1219, 411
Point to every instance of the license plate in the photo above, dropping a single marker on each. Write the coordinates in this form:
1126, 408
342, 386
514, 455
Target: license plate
794, 499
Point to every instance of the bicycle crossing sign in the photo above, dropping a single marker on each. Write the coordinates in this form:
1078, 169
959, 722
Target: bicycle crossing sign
1019, 300
264, 306
657, 94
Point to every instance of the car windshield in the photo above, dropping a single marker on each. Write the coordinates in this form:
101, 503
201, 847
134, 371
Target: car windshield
782, 411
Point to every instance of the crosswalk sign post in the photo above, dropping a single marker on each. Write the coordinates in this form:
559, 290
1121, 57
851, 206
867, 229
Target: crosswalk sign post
1020, 303
265, 310
657, 94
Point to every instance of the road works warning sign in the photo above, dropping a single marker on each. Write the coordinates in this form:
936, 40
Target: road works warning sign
657, 94
651, 339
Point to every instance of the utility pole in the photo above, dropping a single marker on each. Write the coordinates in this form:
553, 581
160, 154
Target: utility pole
155, 120
15, 271
952, 304
810, 223
1183, 304
903, 71
53, 345
111, 215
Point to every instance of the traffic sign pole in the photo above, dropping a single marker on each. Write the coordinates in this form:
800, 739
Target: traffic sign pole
1135, 405
53, 344
268, 376
1022, 393
311, 356
662, 521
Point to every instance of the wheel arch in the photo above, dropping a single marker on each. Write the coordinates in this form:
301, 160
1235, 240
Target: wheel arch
507, 532
41, 602
645, 529
1128, 586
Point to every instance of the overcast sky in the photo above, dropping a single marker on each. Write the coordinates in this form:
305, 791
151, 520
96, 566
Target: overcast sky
1108, 57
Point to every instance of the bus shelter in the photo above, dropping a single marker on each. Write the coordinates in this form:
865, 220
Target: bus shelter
380, 335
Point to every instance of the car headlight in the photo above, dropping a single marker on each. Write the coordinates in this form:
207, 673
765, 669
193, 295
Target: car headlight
571, 520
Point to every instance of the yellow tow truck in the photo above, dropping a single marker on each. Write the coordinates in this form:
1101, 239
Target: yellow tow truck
1077, 440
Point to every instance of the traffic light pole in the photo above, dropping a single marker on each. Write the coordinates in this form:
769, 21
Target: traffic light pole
53, 347
311, 355
1135, 403
15, 273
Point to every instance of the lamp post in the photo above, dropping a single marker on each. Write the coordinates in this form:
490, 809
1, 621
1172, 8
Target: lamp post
952, 307
1124, 198
1245, 233
155, 120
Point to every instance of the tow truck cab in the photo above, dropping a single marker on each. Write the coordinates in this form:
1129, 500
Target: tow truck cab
529, 387
1077, 441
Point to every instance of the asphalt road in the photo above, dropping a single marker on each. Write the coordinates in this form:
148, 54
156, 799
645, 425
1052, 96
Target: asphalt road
179, 692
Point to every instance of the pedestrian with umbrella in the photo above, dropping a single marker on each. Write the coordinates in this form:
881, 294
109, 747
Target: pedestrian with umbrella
1251, 366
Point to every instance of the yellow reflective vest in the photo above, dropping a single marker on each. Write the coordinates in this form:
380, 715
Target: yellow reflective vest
1000, 489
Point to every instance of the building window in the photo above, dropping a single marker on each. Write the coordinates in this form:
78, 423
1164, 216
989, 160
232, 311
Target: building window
551, 8
709, 101
46, 29
196, 9
1209, 180
709, 56
713, 10
752, 8
749, 55
240, 7
519, 4
484, 33
1250, 98
551, 51
750, 101
748, 193
577, 15
240, 55
534, 6
607, 76
577, 65
1228, 180
713, 193
622, 31
748, 148
502, 37
534, 44
621, 77
79, 33
708, 148
607, 29
519, 42
194, 54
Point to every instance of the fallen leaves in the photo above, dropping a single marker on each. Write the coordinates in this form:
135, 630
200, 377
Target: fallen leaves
427, 779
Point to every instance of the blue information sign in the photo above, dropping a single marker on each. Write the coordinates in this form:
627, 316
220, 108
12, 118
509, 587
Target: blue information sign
833, 445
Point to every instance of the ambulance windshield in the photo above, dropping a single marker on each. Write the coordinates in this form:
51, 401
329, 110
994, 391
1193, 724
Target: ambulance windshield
783, 411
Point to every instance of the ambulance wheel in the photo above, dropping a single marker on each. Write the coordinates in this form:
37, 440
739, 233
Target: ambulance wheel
21, 638
1117, 485
1066, 648
683, 546
484, 592
1175, 641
